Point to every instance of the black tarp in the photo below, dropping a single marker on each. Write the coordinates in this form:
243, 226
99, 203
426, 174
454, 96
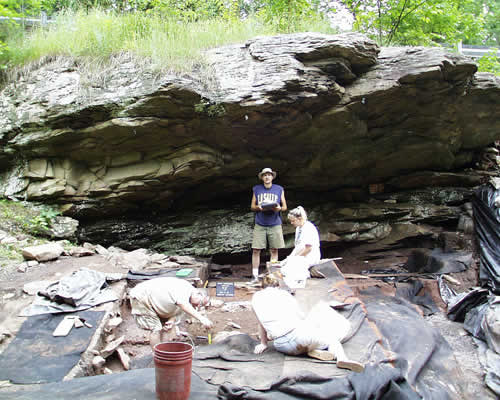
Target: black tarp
405, 357
410, 291
35, 356
438, 261
487, 227
138, 384
421, 353
462, 303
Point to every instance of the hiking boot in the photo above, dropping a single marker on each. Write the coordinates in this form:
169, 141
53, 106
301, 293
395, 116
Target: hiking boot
352, 365
322, 355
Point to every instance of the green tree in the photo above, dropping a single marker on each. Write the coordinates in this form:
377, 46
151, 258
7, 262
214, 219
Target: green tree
492, 26
418, 22
490, 63
284, 14
19, 8
189, 10
12, 9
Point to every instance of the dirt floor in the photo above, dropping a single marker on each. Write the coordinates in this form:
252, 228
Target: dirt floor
233, 314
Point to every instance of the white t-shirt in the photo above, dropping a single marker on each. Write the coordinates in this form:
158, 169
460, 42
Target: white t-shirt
277, 311
307, 235
163, 295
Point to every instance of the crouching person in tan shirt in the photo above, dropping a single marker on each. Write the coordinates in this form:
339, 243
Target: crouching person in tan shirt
164, 299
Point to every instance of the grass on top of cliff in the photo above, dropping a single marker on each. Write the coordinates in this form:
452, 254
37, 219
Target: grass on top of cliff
167, 43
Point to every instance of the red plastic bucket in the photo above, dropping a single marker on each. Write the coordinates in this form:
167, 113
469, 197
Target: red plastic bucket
173, 362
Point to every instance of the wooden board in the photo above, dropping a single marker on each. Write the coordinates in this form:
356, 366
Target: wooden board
64, 327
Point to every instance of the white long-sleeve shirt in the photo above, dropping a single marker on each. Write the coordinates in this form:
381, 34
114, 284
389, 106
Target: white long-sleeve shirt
277, 310
307, 234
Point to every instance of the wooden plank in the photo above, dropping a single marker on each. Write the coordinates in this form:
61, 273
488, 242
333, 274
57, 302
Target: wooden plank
64, 326
355, 276
402, 274
78, 323
124, 358
451, 280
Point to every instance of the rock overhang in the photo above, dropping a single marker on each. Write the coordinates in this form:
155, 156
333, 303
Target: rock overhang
326, 111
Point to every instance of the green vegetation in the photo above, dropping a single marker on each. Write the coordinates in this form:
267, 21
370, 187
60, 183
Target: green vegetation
172, 34
11, 253
176, 40
25, 218
209, 109
431, 23
25, 222
490, 63
99, 35
421, 22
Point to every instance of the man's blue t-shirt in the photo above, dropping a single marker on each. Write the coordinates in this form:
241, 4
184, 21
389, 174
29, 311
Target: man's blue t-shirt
273, 194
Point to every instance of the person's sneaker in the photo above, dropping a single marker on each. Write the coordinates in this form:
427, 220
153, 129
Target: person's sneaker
254, 281
352, 365
322, 355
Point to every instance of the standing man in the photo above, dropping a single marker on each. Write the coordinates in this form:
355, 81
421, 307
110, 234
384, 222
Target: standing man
164, 299
268, 200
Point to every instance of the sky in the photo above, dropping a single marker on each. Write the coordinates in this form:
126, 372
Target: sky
341, 18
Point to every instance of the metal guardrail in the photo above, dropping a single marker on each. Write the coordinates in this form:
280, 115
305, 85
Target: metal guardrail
43, 20
476, 52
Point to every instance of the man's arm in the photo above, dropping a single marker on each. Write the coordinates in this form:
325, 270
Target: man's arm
283, 201
254, 206
189, 309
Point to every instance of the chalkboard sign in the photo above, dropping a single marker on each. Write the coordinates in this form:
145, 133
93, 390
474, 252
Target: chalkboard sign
224, 289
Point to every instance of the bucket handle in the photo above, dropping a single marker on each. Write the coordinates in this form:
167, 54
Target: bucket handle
191, 339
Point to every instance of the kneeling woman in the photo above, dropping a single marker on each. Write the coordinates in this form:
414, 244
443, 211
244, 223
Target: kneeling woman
306, 253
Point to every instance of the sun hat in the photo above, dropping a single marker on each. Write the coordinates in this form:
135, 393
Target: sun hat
266, 171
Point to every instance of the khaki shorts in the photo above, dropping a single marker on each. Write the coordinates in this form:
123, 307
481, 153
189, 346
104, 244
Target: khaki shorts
145, 317
268, 235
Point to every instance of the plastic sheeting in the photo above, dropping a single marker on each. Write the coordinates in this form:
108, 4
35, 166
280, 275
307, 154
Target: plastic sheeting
79, 291
462, 303
379, 382
438, 261
35, 356
405, 357
490, 362
480, 313
394, 370
137, 384
410, 291
487, 226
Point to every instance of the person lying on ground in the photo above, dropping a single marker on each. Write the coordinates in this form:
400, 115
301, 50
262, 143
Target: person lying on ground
305, 254
164, 299
319, 335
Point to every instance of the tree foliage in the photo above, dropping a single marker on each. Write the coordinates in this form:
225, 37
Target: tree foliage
283, 14
418, 22
389, 22
490, 62
492, 22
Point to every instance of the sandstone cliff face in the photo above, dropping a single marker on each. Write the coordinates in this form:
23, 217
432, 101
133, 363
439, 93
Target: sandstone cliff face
332, 114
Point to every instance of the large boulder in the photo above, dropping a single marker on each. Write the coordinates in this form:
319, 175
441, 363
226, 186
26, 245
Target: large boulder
43, 252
